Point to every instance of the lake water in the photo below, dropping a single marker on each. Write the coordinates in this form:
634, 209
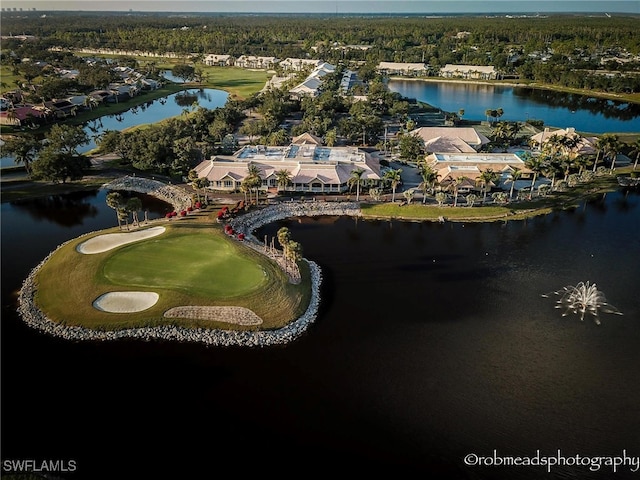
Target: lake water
150, 112
432, 342
562, 110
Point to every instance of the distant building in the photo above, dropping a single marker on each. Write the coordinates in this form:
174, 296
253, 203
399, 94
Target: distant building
214, 60
252, 61
451, 139
406, 69
486, 72
299, 64
583, 145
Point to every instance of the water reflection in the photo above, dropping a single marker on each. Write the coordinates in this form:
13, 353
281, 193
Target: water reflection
557, 109
64, 210
74, 209
597, 106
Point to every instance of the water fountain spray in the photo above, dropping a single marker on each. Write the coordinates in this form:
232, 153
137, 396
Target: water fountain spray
583, 298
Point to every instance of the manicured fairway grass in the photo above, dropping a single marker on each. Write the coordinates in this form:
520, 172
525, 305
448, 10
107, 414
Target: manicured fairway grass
204, 265
192, 263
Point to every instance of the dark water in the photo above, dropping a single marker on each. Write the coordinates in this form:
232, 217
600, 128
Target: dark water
563, 110
432, 343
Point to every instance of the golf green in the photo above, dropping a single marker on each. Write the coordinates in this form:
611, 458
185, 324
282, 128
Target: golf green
206, 265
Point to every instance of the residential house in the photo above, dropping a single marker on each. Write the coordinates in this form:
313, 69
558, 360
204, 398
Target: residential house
583, 145
299, 64
214, 60
252, 61
449, 166
313, 82
21, 116
451, 139
405, 69
478, 72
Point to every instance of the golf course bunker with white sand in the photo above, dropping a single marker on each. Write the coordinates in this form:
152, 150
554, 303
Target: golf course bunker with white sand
104, 243
125, 302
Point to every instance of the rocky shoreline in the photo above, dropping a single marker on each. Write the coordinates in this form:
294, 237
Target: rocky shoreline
247, 223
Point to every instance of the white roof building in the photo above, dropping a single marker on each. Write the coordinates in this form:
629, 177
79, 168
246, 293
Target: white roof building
584, 145
397, 68
311, 85
484, 72
313, 168
451, 139
218, 60
252, 61
299, 63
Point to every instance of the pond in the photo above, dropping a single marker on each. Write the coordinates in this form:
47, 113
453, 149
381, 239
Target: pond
432, 342
149, 112
562, 110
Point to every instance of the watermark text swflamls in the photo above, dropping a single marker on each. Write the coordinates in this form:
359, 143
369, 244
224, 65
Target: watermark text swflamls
31, 465
593, 463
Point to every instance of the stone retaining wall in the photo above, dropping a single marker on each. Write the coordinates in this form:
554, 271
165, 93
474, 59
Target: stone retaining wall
37, 319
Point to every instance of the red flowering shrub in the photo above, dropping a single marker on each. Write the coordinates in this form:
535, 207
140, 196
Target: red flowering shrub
198, 205
168, 215
183, 213
241, 236
189, 209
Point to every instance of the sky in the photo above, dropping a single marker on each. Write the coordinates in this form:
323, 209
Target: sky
333, 6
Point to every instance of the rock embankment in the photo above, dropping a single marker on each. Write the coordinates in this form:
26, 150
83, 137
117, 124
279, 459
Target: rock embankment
176, 196
37, 319
249, 222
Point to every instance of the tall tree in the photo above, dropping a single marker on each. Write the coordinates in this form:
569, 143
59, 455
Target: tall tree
394, 178
356, 179
24, 148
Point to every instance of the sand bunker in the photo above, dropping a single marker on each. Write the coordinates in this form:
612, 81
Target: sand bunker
236, 315
104, 243
125, 302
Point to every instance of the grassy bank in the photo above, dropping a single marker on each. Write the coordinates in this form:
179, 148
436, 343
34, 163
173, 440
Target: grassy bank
165, 265
566, 200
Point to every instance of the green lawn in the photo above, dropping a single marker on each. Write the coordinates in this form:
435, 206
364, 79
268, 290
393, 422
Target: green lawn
192, 263
205, 265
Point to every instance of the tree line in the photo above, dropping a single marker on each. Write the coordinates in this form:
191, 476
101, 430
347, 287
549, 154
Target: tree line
576, 43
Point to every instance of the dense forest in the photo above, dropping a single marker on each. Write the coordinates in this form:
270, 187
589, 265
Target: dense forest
589, 52
431, 40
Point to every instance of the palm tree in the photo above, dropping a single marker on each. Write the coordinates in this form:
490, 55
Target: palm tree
612, 148
115, 200
356, 179
134, 205
635, 150
486, 178
440, 198
535, 164
254, 178
394, 178
471, 199
513, 177
455, 185
409, 194
429, 178
283, 178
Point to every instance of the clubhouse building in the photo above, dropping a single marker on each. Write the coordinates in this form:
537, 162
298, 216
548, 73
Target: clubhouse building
312, 168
